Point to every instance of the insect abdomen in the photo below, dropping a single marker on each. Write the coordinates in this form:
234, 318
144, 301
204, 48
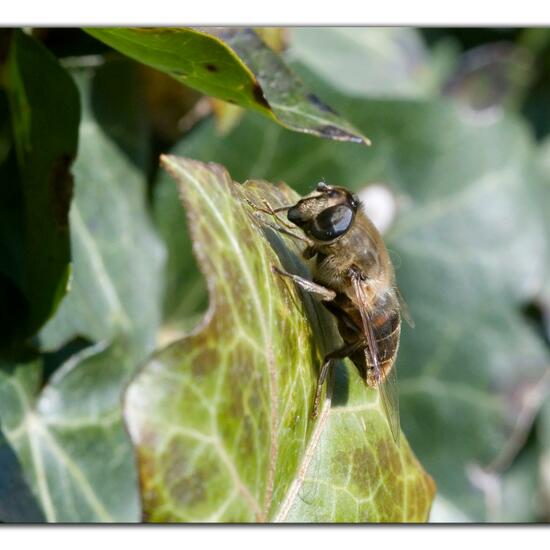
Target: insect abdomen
387, 330
386, 324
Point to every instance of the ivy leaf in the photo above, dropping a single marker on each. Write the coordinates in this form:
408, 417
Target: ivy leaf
236, 66
544, 164
543, 469
68, 434
17, 503
66, 431
111, 233
221, 420
45, 140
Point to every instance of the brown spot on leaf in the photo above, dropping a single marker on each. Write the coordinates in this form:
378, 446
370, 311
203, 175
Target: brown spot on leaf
314, 100
149, 492
364, 466
333, 132
206, 361
211, 68
185, 482
60, 186
189, 490
387, 453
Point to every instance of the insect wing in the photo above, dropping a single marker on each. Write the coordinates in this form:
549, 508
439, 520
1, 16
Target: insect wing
405, 312
387, 386
390, 402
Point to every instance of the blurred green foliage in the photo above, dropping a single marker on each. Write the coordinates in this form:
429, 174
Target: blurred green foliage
460, 125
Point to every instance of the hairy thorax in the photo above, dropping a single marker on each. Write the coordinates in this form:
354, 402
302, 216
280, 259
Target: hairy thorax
358, 250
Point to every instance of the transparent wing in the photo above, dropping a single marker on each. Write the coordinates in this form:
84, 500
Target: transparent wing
405, 312
387, 385
390, 402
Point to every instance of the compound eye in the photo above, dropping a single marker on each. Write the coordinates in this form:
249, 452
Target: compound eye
331, 223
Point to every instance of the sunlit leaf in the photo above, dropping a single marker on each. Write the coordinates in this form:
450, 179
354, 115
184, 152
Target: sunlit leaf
234, 65
221, 420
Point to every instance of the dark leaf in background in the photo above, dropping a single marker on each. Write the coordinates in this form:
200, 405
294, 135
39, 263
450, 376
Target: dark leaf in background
170, 106
236, 66
221, 420
491, 76
5, 128
17, 503
15, 307
45, 138
66, 42
117, 258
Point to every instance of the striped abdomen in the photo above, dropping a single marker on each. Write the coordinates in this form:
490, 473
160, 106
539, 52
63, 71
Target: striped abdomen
386, 324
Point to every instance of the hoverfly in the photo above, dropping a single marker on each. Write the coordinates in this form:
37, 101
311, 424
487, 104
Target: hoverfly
354, 277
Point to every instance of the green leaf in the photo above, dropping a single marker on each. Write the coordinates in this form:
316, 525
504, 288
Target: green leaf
469, 246
45, 138
521, 491
543, 434
544, 163
543, 428
117, 258
221, 420
364, 61
236, 66
185, 295
69, 437
17, 503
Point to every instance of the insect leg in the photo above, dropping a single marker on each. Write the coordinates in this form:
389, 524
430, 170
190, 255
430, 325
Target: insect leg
284, 231
281, 226
309, 286
339, 353
270, 211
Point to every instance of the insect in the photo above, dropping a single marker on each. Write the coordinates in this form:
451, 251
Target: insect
354, 277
